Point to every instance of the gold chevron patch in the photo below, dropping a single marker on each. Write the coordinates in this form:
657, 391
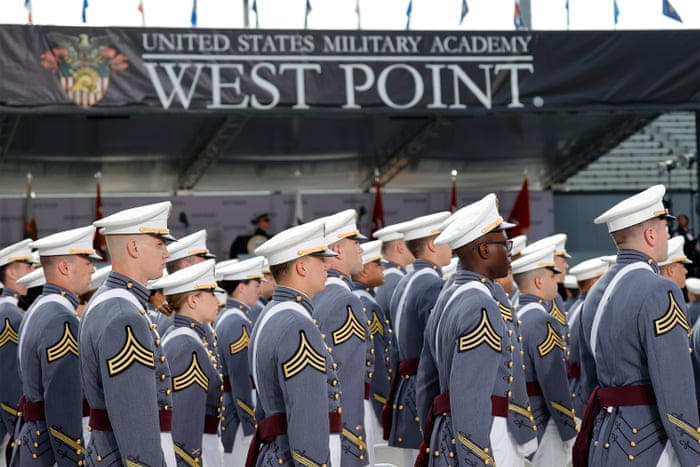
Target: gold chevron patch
186, 458
303, 460
483, 333
524, 411
552, 340
506, 312
376, 326
8, 334
557, 314
246, 408
671, 318
241, 344
565, 410
132, 352
67, 344
303, 357
354, 439
473, 447
350, 328
65, 439
192, 375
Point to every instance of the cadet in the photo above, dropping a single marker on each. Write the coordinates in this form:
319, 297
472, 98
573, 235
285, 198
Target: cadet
396, 257
196, 380
341, 319
545, 368
586, 274
467, 342
364, 285
125, 374
52, 400
509, 286
634, 324
692, 284
267, 286
15, 262
673, 267
289, 361
242, 284
411, 304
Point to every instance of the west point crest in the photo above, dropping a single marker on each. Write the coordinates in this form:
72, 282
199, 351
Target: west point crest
84, 65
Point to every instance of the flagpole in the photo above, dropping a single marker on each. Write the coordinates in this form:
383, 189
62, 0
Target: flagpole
246, 15
453, 197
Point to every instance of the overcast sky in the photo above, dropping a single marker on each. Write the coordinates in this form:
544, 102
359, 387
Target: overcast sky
340, 14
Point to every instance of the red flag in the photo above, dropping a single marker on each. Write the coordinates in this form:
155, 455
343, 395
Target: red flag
29, 221
99, 242
453, 198
378, 213
520, 214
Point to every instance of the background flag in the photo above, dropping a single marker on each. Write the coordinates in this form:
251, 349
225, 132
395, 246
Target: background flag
298, 204
255, 10
306, 14
465, 10
517, 17
85, 6
99, 243
667, 8
29, 221
28, 6
409, 10
453, 196
193, 18
616, 11
143, 13
520, 214
378, 212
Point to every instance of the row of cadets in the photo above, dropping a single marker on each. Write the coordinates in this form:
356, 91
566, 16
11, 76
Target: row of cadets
396, 256
125, 374
634, 334
545, 366
266, 288
411, 303
196, 384
692, 284
585, 274
509, 286
364, 284
290, 363
15, 262
51, 405
468, 343
343, 323
241, 281
673, 267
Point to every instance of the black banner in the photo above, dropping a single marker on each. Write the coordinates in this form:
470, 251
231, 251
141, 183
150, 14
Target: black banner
60, 69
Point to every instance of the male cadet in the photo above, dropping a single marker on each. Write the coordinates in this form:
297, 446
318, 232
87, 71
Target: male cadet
692, 284
509, 286
586, 273
634, 327
673, 267
411, 304
289, 361
242, 284
396, 257
125, 375
52, 400
364, 284
15, 262
267, 286
341, 319
572, 292
468, 343
545, 368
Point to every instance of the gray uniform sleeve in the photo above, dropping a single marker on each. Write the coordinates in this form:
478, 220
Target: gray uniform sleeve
427, 379
234, 339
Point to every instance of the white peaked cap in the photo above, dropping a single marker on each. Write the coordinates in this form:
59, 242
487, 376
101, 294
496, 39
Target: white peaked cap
570, 282
251, 268
675, 252
610, 259
296, 242
99, 276
390, 232
199, 276
192, 245
371, 251
19, 251
36, 278
558, 241
693, 285
450, 269
538, 259
221, 296
473, 221
341, 225
226, 262
519, 243
266, 266
149, 219
424, 226
70, 242
636, 209
594, 267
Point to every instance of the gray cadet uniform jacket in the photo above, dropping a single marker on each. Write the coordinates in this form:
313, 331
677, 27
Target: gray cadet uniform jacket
125, 377
695, 346
545, 369
162, 321
392, 275
339, 315
573, 365
556, 310
470, 346
413, 300
233, 330
642, 341
693, 313
50, 368
196, 387
11, 383
293, 373
380, 328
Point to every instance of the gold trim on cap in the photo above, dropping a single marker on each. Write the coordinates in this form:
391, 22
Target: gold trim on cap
372, 258
78, 251
202, 251
348, 234
661, 213
254, 276
205, 286
546, 265
309, 251
435, 231
560, 252
19, 258
153, 230
492, 225
680, 259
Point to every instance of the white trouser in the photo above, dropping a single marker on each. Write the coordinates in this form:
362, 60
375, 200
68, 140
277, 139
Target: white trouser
241, 444
4, 441
212, 451
166, 444
552, 450
335, 446
505, 450
86, 431
371, 430
668, 457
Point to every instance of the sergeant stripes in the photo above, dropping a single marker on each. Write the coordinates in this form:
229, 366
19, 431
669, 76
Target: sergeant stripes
192, 375
304, 356
241, 343
376, 326
557, 314
67, 344
673, 316
482, 334
350, 328
8, 334
506, 312
550, 342
132, 352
